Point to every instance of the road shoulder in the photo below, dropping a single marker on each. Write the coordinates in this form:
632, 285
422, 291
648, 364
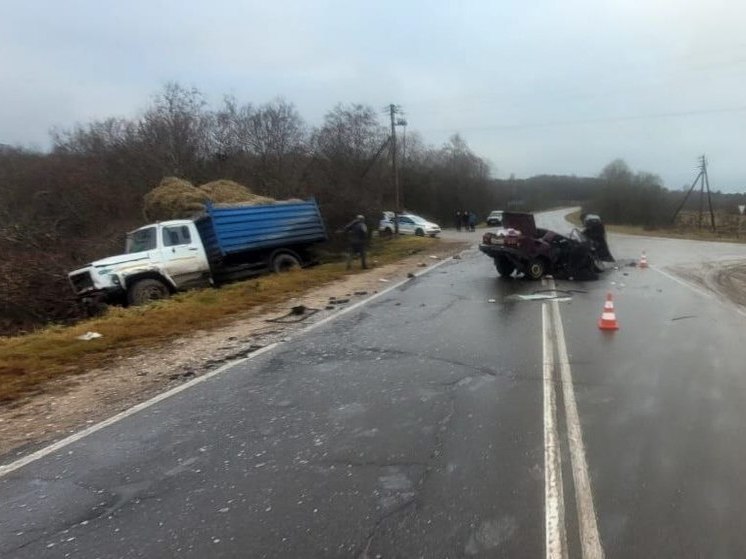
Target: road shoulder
73, 403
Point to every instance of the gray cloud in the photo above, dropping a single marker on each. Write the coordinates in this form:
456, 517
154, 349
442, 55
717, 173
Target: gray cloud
535, 87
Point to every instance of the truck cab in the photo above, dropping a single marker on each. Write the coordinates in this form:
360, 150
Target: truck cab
159, 259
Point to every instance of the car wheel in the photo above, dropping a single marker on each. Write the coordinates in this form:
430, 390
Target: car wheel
386, 233
536, 269
419, 233
504, 266
145, 291
597, 265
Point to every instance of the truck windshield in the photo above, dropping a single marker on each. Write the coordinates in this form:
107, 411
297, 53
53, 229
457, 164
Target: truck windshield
141, 240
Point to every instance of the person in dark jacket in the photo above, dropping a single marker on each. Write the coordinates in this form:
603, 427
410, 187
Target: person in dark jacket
465, 220
458, 221
357, 234
472, 221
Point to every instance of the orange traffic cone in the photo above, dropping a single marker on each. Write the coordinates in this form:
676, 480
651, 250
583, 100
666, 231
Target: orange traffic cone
643, 261
608, 318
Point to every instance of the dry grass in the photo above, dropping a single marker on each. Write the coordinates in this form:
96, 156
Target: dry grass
28, 362
673, 233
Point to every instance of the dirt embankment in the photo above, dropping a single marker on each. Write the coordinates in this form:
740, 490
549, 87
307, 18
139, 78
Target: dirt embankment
75, 402
725, 279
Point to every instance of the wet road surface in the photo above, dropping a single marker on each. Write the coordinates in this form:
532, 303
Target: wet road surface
432, 422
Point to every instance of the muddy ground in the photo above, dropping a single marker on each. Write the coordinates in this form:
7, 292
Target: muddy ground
73, 403
726, 279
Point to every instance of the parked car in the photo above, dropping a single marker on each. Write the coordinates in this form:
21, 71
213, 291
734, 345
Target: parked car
495, 218
409, 224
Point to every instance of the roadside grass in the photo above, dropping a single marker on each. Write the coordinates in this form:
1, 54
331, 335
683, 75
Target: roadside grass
28, 362
687, 234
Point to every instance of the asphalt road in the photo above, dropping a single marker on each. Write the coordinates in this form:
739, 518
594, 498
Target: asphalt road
443, 419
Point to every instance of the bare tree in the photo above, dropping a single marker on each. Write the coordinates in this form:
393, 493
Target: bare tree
175, 130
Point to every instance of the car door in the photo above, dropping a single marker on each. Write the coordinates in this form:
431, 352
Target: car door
406, 225
183, 256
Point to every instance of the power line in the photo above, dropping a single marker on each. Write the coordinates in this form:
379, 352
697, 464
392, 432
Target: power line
559, 123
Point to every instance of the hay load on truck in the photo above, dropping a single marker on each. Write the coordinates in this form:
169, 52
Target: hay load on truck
226, 242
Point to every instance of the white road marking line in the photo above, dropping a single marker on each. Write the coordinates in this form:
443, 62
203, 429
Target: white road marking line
683, 282
701, 291
6, 469
554, 502
54, 447
590, 540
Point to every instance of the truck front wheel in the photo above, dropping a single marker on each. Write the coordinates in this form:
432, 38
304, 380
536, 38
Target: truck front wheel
146, 290
285, 262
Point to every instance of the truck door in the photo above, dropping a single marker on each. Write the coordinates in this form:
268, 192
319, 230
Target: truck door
184, 257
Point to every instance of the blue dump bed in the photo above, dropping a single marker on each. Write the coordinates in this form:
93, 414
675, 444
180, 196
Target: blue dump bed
237, 229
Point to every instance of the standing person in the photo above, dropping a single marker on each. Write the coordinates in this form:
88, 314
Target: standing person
458, 220
465, 219
357, 235
472, 221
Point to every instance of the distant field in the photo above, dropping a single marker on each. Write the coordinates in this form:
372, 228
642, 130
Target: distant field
679, 232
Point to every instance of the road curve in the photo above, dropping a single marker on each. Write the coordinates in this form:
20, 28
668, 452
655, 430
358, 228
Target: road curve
427, 423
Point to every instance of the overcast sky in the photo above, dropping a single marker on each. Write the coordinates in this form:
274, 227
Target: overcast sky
534, 86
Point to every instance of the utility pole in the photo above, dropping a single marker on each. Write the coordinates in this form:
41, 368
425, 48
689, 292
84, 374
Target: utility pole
704, 181
393, 109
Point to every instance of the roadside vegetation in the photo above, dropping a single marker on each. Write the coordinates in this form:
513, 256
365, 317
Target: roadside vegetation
64, 207
28, 362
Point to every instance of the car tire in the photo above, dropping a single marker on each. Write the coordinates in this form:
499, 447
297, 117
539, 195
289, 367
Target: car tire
145, 291
419, 233
536, 269
504, 267
386, 233
597, 265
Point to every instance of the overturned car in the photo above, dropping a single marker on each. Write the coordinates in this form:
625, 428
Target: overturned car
520, 247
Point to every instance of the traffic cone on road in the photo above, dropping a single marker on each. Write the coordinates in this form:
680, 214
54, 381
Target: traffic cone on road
643, 261
608, 317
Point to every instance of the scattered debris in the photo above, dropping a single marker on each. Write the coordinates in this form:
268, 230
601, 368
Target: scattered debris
538, 297
411, 275
422, 264
434, 257
300, 311
491, 300
457, 257
361, 292
89, 336
183, 376
684, 317
329, 307
384, 280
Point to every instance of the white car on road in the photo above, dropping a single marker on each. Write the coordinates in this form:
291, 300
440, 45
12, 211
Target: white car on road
409, 224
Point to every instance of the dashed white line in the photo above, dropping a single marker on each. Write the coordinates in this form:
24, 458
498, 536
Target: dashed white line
554, 516
590, 540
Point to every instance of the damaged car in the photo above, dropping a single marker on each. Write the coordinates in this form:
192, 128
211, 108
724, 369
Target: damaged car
521, 248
